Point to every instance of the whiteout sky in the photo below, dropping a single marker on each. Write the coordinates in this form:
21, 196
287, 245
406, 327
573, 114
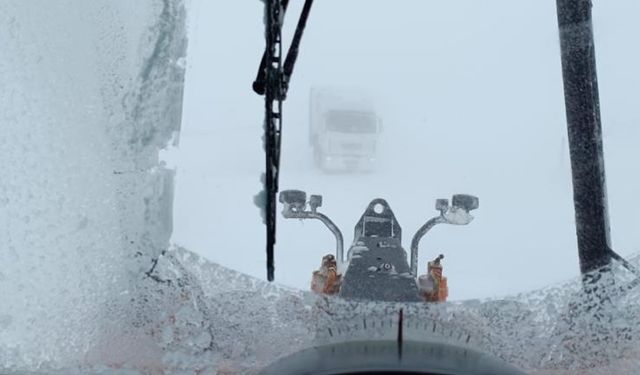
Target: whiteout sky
471, 97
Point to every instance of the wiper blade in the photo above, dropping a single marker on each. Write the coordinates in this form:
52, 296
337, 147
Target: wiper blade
272, 82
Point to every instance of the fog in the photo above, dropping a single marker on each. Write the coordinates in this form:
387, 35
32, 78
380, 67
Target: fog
471, 98
92, 109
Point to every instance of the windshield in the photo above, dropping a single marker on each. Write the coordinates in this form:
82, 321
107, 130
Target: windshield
351, 122
133, 202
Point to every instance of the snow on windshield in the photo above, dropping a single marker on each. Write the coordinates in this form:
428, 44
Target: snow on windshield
103, 271
91, 91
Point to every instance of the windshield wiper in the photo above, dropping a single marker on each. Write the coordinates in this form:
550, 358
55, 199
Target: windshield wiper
272, 81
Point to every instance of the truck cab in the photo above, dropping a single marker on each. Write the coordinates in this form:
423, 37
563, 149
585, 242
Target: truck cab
343, 130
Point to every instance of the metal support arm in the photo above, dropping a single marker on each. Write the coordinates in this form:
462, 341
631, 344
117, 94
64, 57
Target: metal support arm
456, 214
289, 213
415, 242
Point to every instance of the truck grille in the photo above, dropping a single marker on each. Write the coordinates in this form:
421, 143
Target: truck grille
351, 146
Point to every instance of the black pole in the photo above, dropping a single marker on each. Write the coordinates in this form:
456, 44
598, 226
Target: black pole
585, 133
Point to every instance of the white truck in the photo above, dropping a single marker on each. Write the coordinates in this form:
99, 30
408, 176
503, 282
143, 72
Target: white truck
343, 129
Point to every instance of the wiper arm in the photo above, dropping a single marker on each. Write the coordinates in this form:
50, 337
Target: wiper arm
260, 83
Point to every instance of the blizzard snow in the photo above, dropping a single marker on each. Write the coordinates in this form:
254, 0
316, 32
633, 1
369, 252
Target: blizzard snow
93, 94
472, 102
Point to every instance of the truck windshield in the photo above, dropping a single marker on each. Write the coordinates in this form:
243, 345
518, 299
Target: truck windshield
351, 122
133, 201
